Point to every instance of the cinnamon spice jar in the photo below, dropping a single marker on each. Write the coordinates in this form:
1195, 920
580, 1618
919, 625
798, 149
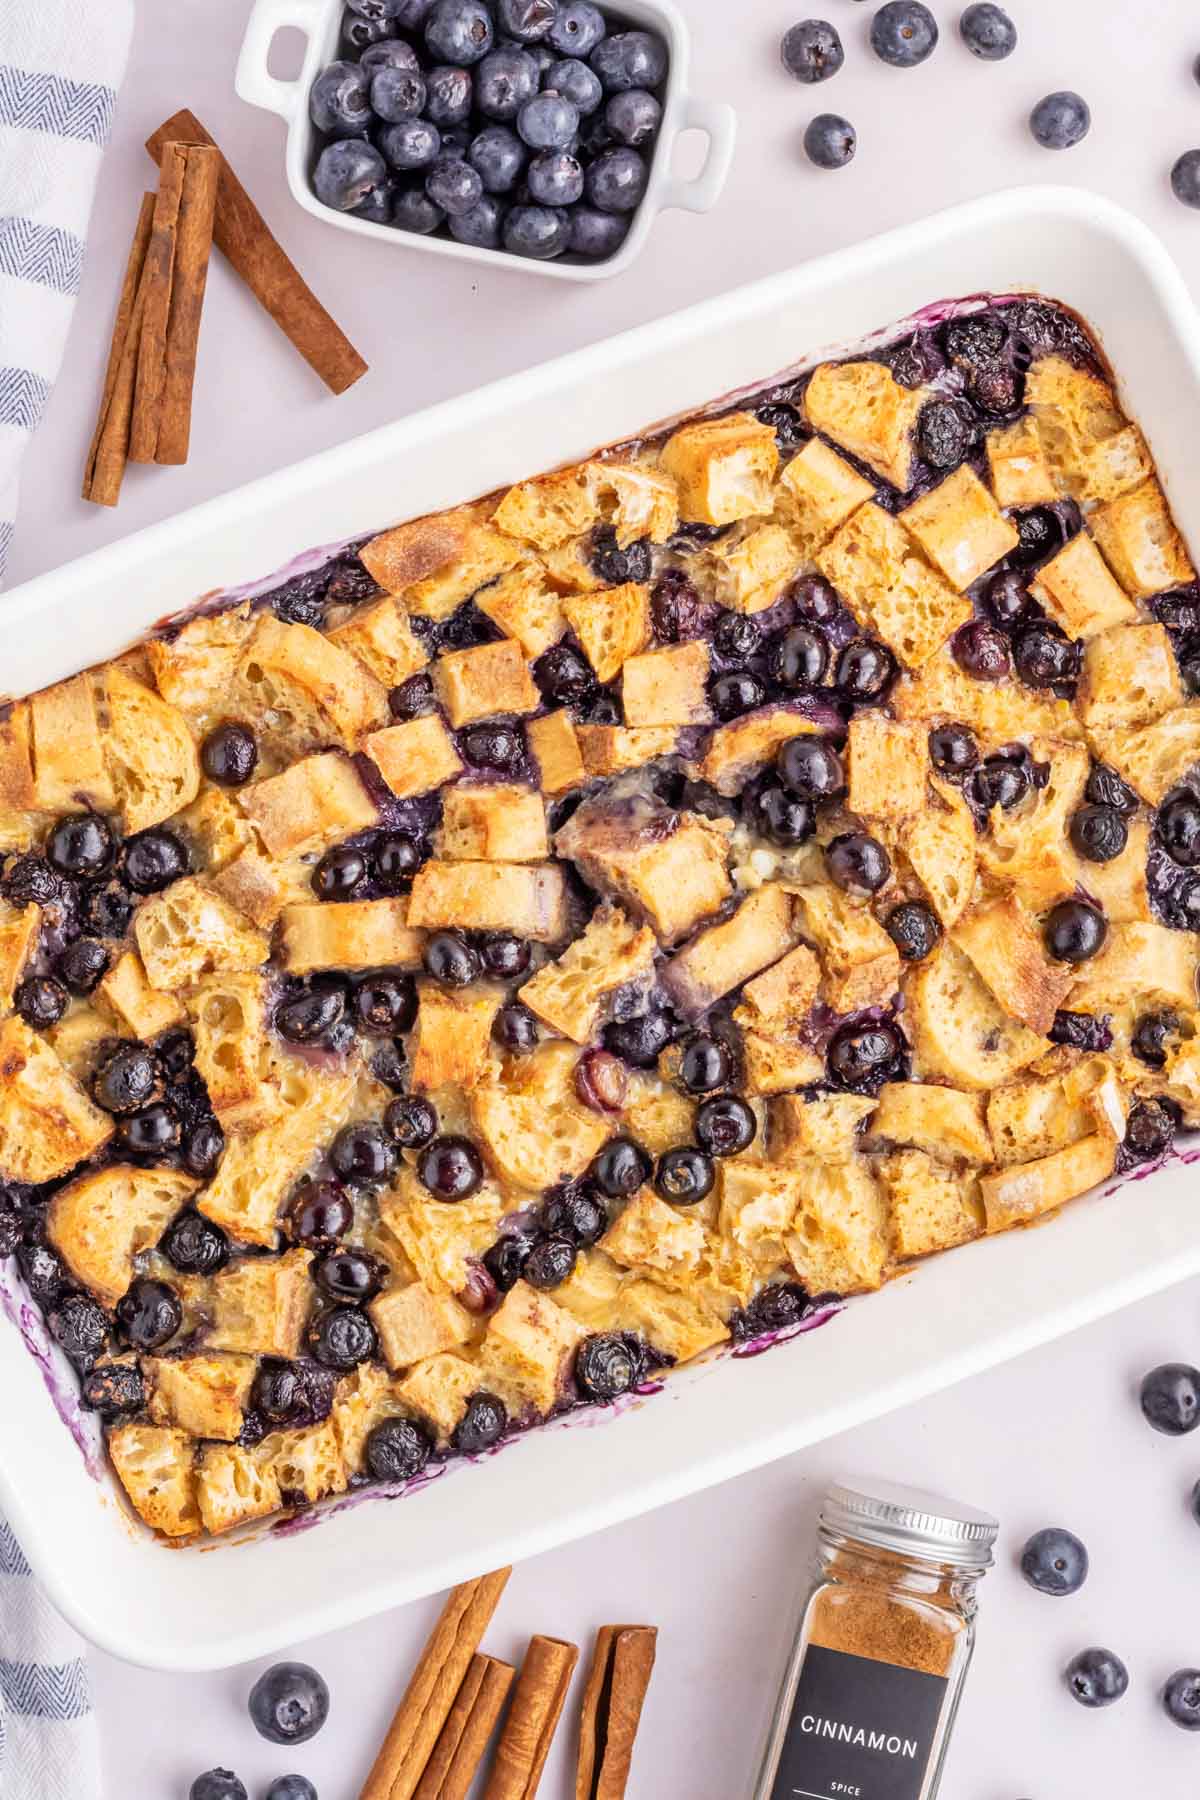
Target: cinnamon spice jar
885, 1639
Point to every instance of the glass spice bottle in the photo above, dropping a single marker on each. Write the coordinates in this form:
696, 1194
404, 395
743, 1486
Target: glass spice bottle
885, 1639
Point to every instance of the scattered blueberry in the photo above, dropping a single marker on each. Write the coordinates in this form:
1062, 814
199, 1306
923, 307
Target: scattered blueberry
385, 1005
340, 872
981, 651
40, 1001
642, 1040
1075, 931
830, 141
904, 33
505, 1261
125, 1080
352, 1276
1060, 120
798, 658
411, 1121
80, 1328
450, 959
1097, 1677
705, 1065
308, 1017
1181, 1695
988, 32
1149, 1042
953, 749
504, 955
289, 1703
395, 859
1099, 833
862, 1057
217, 1784
1008, 599
782, 817
114, 1390
1001, 781
318, 1214
1054, 1561
516, 1029
812, 51
347, 173
736, 693
1185, 178
291, 1787
151, 1132
1178, 828
865, 670
945, 433
620, 1168
362, 1155
1045, 657
550, 1262
1170, 1397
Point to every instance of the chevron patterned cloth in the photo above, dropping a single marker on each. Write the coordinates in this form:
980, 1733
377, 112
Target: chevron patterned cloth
61, 62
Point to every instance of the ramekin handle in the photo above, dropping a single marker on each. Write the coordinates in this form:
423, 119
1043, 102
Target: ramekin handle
253, 80
718, 122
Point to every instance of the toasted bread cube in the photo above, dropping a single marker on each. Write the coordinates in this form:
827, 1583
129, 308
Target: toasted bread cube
259, 1166
206, 1396
638, 498
1075, 412
1147, 962
752, 572
1140, 542
676, 1323
414, 757
133, 1003
532, 1145
525, 608
69, 765
307, 1464
229, 1021
349, 934
1121, 887
47, 1122
723, 956
1116, 465
569, 569
960, 1033
439, 1389
758, 1205
782, 997
380, 636
941, 843
889, 587
550, 510
960, 527
1033, 1117
862, 407
1077, 589
261, 886
19, 934
1130, 678
196, 669
554, 746
1016, 1195
188, 931
102, 1221
297, 670
996, 711
234, 1486
413, 1323
838, 1243
608, 749
590, 1292
1007, 951
724, 468
260, 1304
493, 823
151, 753
485, 553
155, 1465
315, 803
217, 828
1156, 757
864, 985
438, 561
823, 490
612, 625
656, 1114
650, 1235
451, 1038
845, 932
944, 1122
735, 751
1030, 846
79, 1039
570, 994
828, 1127
479, 683
888, 767
362, 1400
528, 1347
667, 687
19, 823
666, 868
777, 1065
929, 1208
1020, 471
441, 1242
530, 899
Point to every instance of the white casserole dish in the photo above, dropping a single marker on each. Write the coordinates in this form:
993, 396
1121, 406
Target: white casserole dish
320, 21
962, 1312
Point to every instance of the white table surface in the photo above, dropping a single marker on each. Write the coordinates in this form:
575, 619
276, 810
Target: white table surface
1053, 1438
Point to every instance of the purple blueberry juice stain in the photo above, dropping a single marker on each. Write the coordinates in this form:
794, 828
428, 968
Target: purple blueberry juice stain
60, 1382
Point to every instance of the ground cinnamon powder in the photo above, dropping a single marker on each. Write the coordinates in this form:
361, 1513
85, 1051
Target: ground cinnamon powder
862, 1613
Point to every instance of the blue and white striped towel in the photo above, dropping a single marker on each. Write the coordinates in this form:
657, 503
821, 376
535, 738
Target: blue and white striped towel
61, 62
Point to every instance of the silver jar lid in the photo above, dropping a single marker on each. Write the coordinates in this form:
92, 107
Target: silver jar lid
911, 1522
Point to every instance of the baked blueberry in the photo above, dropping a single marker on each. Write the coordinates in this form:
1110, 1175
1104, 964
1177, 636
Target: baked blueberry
44, 1273
290, 1702
385, 1004
342, 1337
704, 1065
642, 1040
389, 1064
684, 1175
953, 749
563, 675
601, 1081
861, 1058
1075, 931
1178, 828
516, 1029
1081, 1031
340, 873
608, 1365
946, 431
913, 928
1041, 532
529, 21
857, 863
125, 1080
362, 1155
309, 1016
482, 1425
736, 693
395, 859
798, 658
29, 880
450, 959
1149, 1130
1150, 1034
1181, 1693
774, 1308
40, 1001
176, 1053
865, 670
1170, 1398
492, 746
451, 1168
397, 1449
577, 29
80, 1328
573, 1212
725, 1125
981, 651
153, 1131
217, 1784
815, 600
1060, 120
459, 31
413, 698
812, 51
505, 1261
114, 1390
904, 33
411, 1121
149, 1314
1055, 1561
783, 818
1098, 833
348, 172
229, 754
1001, 781
81, 847
976, 340
153, 859
988, 32
318, 1214
504, 955
1097, 1677
203, 1148
550, 1262
620, 1168
352, 1276
830, 141
812, 768
1008, 599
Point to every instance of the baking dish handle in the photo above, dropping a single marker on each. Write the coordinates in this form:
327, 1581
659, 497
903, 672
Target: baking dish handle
718, 121
254, 82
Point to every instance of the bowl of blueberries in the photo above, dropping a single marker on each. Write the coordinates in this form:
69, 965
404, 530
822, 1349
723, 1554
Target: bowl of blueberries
533, 133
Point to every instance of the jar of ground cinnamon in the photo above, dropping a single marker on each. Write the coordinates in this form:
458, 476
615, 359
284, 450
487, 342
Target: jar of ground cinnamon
885, 1639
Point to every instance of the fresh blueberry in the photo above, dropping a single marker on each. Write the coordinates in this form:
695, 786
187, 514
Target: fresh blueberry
342, 1338
904, 33
377, 11
630, 59
481, 226
981, 651
80, 1328
114, 1390
548, 122
348, 172
459, 31
411, 1121
504, 81
550, 1262
529, 21
289, 1703
684, 1175
1099, 833
340, 101
361, 1154
499, 157
1181, 1695
392, 53
1045, 657
862, 1057
555, 178
857, 863
1097, 1677
1075, 931
577, 30
988, 32
1060, 120
577, 83
608, 1366
412, 144
830, 141
451, 1168
1170, 1397
515, 1029
1185, 178
539, 232
217, 1784
448, 96
153, 859
125, 1080
81, 846
812, 51
397, 94
1054, 1561
40, 1001
725, 1125
149, 1314
291, 1787
865, 670
913, 928
413, 210
453, 185
229, 754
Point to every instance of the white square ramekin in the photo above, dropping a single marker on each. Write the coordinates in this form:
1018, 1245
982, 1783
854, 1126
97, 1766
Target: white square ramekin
970, 1308
320, 21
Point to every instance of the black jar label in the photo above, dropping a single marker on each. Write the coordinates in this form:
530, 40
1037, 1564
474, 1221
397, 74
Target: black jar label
859, 1730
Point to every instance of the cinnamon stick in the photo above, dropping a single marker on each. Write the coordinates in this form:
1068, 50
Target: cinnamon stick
460, 1749
193, 246
532, 1720
612, 1709
158, 276
244, 237
117, 360
431, 1693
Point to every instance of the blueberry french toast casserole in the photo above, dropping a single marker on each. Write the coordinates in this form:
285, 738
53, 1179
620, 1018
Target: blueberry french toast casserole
561, 935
